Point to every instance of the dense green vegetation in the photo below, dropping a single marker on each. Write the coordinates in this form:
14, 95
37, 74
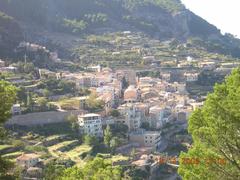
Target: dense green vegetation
7, 98
80, 17
215, 131
93, 104
57, 87
170, 5
10, 34
74, 25
98, 168
141, 24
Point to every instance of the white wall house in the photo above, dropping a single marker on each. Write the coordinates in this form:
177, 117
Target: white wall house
91, 124
191, 77
16, 109
158, 116
131, 116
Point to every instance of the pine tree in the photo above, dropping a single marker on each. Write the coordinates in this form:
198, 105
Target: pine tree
215, 129
7, 98
107, 136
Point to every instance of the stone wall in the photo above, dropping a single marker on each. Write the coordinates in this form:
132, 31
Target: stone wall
34, 119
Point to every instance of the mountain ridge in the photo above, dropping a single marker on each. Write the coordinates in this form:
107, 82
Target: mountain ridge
161, 19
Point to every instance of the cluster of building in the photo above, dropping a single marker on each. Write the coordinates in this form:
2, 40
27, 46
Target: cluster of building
145, 104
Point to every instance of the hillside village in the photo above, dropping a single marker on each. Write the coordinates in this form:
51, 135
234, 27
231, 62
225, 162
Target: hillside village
118, 89
144, 101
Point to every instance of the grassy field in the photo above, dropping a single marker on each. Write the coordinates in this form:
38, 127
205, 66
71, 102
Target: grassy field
119, 157
58, 145
77, 151
5, 146
13, 156
67, 149
68, 104
54, 137
73, 153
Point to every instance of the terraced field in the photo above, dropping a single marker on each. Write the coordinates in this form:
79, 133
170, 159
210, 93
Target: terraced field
12, 155
56, 146
59, 146
69, 149
4, 147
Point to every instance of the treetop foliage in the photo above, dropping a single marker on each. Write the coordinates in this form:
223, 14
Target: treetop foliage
97, 169
7, 98
215, 129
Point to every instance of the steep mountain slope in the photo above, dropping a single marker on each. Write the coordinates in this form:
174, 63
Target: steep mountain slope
161, 19
10, 35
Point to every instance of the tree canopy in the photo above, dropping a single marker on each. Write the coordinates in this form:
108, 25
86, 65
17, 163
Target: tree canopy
93, 104
215, 129
107, 136
7, 98
97, 169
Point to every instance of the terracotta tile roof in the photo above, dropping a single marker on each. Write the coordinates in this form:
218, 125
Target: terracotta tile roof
25, 157
130, 94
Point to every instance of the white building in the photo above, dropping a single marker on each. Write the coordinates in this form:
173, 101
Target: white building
230, 65
207, 65
191, 77
91, 124
8, 69
158, 116
127, 32
97, 68
148, 59
189, 58
16, 109
181, 88
131, 116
